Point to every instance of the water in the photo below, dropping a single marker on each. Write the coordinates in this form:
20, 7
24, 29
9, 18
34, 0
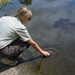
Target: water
53, 27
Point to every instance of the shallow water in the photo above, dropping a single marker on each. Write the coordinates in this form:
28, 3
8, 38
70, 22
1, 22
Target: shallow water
53, 27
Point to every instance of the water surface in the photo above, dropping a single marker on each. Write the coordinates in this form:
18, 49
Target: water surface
53, 27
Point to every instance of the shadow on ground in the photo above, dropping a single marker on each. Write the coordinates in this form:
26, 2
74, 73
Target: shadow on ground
4, 67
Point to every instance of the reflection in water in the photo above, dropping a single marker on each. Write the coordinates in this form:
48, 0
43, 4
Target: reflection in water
54, 24
38, 67
27, 2
3, 3
52, 51
64, 24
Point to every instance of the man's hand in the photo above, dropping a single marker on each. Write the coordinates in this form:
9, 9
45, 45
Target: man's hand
36, 46
45, 53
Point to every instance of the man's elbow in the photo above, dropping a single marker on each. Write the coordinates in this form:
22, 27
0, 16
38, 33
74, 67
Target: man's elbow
31, 42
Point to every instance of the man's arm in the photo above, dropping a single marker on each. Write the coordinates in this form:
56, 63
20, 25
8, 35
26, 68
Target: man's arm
35, 46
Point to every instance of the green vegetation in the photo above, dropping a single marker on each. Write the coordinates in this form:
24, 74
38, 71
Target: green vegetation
3, 2
26, 2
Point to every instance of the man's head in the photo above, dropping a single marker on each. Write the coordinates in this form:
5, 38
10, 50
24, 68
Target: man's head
24, 14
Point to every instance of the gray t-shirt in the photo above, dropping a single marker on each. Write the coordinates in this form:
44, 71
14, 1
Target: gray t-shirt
10, 29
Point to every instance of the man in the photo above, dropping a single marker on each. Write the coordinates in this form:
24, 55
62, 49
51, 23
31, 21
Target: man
14, 37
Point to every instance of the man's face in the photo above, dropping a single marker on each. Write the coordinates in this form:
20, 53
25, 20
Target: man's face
26, 19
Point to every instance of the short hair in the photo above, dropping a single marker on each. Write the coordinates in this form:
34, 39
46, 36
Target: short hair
24, 12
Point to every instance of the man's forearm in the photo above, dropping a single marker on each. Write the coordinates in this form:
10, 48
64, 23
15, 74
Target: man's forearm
37, 47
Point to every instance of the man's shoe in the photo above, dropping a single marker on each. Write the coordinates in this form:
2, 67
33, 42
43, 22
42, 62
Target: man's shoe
9, 62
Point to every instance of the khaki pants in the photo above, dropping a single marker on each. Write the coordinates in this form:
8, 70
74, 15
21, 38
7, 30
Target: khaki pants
13, 50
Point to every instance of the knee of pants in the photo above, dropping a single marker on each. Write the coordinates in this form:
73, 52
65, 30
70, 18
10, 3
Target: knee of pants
28, 46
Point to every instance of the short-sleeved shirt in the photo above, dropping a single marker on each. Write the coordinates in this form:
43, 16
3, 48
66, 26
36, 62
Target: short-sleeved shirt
10, 29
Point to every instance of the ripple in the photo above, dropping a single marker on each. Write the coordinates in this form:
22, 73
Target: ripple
52, 51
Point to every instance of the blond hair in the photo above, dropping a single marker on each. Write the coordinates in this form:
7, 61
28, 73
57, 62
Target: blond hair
24, 13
